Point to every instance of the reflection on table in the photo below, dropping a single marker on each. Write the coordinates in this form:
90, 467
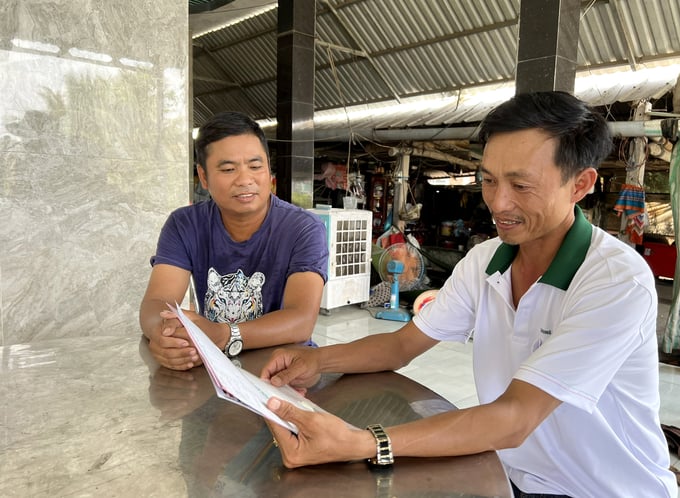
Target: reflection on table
97, 417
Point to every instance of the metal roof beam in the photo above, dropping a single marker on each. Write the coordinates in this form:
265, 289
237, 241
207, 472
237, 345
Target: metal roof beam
198, 6
340, 48
354, 36
226, 83
227, 80
648, 128
626, 35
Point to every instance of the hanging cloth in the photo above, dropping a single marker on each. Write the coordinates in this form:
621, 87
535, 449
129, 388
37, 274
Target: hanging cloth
670, 342
631, 204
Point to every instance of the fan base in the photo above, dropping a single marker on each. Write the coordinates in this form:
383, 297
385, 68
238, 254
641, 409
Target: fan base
395, 314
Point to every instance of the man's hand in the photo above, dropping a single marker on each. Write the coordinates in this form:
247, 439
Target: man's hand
172, 347
297, 367
321, 438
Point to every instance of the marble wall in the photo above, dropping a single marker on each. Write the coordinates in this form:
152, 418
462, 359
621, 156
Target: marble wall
94, 154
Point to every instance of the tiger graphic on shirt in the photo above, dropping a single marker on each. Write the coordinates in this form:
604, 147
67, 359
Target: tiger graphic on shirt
234, 297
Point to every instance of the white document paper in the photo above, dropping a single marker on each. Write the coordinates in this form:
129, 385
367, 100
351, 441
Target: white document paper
237, 385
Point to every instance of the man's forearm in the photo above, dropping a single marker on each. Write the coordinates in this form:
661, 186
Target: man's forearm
285, 326
149, 316
376, 353
504, 423
369, 354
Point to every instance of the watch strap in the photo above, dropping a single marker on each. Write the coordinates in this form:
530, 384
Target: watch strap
235, 332
234, 336
383, 445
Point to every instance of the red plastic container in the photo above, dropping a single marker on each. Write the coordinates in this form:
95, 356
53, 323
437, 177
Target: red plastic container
661, 258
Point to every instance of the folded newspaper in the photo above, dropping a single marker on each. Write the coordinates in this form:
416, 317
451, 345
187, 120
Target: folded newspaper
237, 385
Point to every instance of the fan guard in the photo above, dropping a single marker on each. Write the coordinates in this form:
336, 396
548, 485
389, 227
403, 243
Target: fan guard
414, 265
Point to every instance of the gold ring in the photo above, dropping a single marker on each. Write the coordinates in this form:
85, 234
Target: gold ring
275, 443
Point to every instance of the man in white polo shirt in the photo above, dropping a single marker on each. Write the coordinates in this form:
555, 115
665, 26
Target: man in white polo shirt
563, 317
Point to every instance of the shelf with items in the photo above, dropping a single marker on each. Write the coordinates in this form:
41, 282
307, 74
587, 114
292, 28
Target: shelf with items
380, 195
455, 217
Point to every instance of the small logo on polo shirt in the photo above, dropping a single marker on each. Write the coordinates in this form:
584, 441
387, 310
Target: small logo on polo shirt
539, 340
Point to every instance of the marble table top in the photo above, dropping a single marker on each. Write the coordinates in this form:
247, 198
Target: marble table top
95, 416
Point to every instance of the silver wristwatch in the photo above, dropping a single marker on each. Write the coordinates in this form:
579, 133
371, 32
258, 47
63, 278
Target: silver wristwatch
384, 456
235, 343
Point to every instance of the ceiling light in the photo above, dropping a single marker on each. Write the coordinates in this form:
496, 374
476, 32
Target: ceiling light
454, 181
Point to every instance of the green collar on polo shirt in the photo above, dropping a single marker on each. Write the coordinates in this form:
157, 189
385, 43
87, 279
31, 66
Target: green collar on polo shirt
568, 259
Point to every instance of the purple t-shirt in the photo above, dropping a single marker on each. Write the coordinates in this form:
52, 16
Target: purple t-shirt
239, 281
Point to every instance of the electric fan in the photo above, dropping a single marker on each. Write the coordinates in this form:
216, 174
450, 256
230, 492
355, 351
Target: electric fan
403, 267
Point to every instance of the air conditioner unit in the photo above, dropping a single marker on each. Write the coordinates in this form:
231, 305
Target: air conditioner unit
349, 256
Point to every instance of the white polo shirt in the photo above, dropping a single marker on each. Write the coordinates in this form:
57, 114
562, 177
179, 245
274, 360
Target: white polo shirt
585, 333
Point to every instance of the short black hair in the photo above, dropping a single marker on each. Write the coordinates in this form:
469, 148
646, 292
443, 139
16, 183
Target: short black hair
226, 124
584, 138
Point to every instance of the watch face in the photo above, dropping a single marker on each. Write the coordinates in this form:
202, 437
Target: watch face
235, 347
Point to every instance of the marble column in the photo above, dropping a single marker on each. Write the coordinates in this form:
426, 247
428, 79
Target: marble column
94, 154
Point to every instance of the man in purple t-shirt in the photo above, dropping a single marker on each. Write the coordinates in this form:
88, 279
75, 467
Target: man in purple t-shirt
259, 264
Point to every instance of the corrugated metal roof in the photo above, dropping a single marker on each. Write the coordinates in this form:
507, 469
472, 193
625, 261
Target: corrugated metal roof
379, 56
196, 6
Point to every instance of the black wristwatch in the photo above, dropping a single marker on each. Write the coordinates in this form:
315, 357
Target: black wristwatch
235, 343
